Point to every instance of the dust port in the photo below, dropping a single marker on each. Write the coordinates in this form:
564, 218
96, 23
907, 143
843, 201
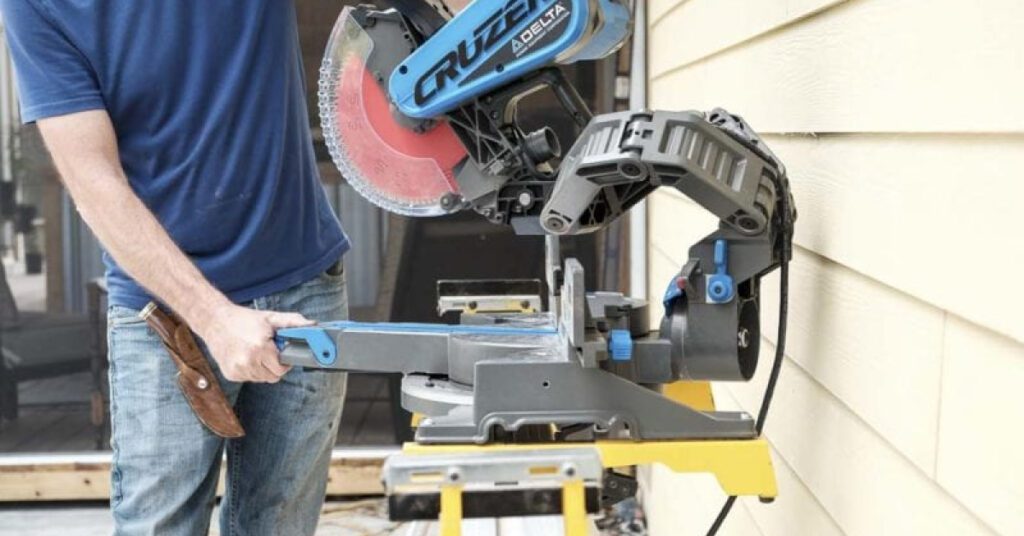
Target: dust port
542, 145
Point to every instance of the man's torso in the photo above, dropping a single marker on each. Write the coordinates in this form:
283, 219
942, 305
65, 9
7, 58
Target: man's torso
208, 101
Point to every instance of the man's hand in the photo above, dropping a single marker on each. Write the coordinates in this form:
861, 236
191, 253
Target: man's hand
241, 340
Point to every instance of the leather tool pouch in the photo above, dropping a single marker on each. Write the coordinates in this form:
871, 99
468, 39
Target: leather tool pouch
195, 376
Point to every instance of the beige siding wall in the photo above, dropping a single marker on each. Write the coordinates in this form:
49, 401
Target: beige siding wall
901, 402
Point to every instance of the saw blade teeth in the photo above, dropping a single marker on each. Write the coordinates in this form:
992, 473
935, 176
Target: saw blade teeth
392, 166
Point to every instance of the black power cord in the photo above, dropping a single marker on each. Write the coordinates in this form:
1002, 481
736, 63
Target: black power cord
782, 187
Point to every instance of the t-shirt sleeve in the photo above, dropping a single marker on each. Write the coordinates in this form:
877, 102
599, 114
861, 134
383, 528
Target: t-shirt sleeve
53, 76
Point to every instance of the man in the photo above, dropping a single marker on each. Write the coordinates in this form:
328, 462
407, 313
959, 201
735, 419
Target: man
181, 131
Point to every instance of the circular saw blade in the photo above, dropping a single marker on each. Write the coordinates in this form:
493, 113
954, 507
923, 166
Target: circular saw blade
394, 167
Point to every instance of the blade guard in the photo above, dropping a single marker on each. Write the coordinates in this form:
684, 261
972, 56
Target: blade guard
396, 168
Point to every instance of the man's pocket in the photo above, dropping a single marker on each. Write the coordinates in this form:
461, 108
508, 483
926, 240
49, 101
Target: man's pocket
335, 272
118, 315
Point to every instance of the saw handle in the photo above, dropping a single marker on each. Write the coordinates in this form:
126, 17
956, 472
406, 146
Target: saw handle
315, 338
506, 100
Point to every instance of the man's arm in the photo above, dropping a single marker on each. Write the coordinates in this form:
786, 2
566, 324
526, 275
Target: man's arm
84, 148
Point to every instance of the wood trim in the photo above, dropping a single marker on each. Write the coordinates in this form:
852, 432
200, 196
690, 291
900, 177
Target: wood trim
86, 476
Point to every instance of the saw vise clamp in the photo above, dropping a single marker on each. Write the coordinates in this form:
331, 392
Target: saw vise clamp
420, 112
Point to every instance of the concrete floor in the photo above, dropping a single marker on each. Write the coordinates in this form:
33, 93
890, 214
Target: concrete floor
358, 518
362, 518
367, 517
55, 521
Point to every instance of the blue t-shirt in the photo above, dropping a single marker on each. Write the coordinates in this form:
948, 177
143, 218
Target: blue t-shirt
207, 98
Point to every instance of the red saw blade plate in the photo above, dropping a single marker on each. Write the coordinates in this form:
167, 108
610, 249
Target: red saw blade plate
400, 170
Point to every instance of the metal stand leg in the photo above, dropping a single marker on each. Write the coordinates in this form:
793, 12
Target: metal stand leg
451, 510
574, 508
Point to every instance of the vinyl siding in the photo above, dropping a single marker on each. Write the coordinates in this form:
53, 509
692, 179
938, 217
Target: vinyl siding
901, 123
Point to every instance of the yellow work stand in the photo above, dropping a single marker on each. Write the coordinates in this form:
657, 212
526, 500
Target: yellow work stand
743, 467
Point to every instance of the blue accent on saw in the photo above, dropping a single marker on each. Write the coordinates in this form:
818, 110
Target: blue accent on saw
721, 287
321, 344
442, 74
617, 27
672, 293
620, 345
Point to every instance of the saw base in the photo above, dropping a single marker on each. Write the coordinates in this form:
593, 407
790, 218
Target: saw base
517, 394
498, 374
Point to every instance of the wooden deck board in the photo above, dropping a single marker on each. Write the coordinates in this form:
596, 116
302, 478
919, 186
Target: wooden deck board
337, 519
86, 476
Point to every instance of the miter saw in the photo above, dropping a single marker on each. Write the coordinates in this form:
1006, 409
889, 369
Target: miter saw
419, 111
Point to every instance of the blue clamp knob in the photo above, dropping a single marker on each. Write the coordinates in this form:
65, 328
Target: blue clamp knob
620, 345
672, 293
316, 338
720, 286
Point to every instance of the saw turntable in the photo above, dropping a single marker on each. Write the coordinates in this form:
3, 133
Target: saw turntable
524, 411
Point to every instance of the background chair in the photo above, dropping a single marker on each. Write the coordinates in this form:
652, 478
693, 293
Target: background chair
37, 345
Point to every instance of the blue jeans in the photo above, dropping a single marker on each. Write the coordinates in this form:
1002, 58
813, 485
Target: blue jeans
166, 464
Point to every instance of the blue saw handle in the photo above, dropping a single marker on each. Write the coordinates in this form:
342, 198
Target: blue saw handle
322, 345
